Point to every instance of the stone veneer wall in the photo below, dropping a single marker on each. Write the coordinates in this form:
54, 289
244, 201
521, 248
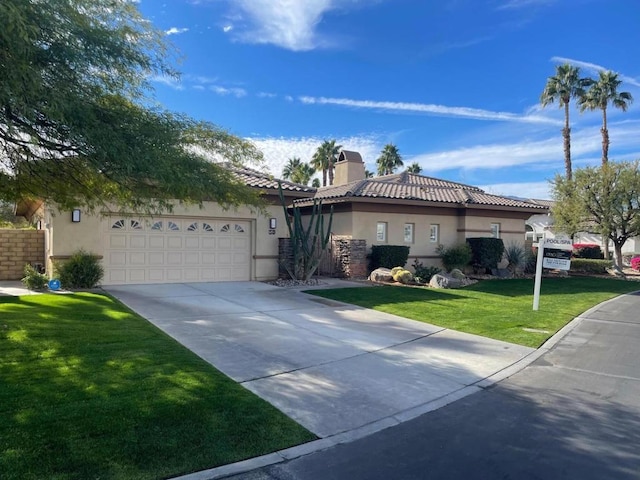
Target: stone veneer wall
349, 257
17, 248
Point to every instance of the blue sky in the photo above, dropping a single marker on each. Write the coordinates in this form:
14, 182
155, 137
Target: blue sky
454, 84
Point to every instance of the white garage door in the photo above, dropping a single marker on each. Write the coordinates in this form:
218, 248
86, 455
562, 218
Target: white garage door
168, 250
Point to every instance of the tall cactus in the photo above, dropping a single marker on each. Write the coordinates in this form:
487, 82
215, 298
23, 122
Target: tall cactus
307, 244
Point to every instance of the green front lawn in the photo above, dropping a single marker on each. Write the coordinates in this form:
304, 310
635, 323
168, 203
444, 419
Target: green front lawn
500, 309
90, 390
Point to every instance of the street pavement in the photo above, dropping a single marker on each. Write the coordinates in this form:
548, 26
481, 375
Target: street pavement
574, 413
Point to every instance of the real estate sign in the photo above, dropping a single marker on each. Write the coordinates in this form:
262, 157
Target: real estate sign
556, 253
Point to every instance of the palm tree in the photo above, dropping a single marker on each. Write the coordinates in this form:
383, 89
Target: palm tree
290, 168
325, 158
414, 168
603, 92
368, 174
389, 160
315, 183
563, 86
303, 174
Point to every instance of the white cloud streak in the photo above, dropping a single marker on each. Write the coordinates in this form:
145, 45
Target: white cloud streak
441, 110
594, 68
224, 91
539, 190
290, 24
517, 4
176, 31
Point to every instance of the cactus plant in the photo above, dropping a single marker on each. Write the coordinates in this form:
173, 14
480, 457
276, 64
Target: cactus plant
307, 244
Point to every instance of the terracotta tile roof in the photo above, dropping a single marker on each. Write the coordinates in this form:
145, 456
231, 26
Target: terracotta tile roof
407, 186
254, 178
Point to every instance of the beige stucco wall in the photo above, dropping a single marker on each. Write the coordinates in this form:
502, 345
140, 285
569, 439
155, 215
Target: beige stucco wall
512, 230
66, 237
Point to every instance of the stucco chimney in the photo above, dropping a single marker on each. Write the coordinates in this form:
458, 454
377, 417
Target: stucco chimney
349, 168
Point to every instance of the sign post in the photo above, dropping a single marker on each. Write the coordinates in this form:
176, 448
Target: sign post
552, 253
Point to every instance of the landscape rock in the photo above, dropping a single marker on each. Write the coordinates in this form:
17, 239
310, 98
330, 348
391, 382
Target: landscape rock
440, 280
456, 273
381, 275
503, 273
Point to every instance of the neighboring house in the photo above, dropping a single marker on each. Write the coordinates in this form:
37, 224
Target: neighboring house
191, 244
195, 244
417, 211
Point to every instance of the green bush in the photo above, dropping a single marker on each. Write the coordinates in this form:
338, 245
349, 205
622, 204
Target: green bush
388, 256
588, 265
33, 279
531, 259
588, 251
81, 270
486, 252
457, 256
516, 256
423, 273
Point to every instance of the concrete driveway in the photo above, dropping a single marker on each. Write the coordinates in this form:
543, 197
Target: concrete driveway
332, 367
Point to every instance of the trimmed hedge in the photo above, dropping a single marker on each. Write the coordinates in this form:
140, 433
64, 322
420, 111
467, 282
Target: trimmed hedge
486, 252
388, 256
587, 251
589, 265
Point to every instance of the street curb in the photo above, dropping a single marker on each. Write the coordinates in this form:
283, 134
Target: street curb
393, 420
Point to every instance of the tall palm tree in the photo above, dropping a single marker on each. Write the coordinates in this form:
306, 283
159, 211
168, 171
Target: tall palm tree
563, 86
290, 168
414, 168
368, 174
389, 160
303, 174
325, 158
603, 92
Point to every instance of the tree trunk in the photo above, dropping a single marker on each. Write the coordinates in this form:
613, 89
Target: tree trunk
324, 177
605, 137
618, 254
566, 134
330, 171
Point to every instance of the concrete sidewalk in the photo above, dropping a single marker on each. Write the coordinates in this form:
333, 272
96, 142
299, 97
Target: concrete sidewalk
332, 367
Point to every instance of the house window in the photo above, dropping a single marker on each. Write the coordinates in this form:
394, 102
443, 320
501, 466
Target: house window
434, 231
381, 232
408, 233
495, 230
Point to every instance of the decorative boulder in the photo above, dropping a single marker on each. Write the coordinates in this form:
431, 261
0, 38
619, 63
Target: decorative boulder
440, 280
381, 275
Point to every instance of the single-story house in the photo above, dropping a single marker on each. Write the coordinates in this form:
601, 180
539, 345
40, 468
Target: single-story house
195, 244
418, 211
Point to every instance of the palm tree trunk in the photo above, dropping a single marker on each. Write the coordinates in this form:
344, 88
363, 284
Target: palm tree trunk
566, 134
330, 162
605, 138
324, 177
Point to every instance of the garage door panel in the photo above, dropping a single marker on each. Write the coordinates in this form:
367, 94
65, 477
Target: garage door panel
176, 250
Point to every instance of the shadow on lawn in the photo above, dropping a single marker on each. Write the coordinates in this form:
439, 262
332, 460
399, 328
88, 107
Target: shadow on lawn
90, 390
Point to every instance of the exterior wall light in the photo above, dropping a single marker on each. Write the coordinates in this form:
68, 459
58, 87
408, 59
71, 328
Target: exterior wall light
75, 215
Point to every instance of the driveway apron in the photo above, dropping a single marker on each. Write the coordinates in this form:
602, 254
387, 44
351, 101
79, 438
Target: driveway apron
331, 367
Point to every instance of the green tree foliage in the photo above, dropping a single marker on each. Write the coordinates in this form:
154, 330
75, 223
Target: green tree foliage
414, 168
77, 124
562, 87
603, 92
389, 160
604, 200
8, 219
297, 171
324, 159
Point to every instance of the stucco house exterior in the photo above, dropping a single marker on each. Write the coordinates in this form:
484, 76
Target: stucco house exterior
418, 211
195, 244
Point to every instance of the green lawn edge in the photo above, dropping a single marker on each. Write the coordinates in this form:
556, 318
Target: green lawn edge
498, 309
89, 389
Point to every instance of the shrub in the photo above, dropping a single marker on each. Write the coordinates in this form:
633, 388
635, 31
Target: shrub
423, 273
403, 276
589, 265
388, 256
457, 256
635, 263
531, 258
81, 270
33, 279
516, 256
486, 252
586, 250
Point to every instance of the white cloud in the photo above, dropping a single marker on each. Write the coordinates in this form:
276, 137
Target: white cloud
594, 68
235, 91
515, 4
289, 24
227, 28
278, 150
441, 110
266, 95
176, 31
168, 81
